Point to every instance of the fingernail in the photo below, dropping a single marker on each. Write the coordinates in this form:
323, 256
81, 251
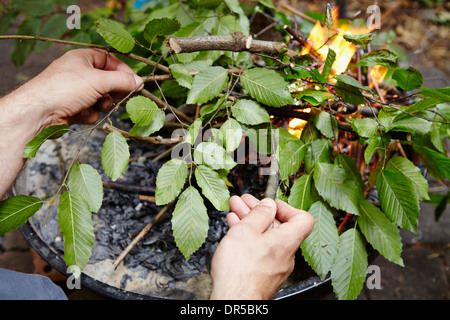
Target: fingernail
266, 202
138, 79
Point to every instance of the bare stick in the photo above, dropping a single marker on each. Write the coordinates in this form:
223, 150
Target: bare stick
141, 234
236, 42
123, 187
298, 13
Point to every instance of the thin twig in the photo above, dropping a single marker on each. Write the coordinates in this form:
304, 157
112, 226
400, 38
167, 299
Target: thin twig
141, 234
162, 104
153, 140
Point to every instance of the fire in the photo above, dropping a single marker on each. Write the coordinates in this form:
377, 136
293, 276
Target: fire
377, 75
296, 126
321, 39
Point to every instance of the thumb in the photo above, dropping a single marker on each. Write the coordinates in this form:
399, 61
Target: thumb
118, 81
261, 216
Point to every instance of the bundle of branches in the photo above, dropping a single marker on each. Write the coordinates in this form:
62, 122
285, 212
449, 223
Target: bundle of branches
213, 87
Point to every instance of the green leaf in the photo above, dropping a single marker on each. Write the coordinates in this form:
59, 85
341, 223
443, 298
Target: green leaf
291, 157
381, 57
398, 199
115, 155
55, 27
331, 182
320, 248
115, 34
327, 124
16, 210
243, 20
266, 86
160, 27
232, 134
359, 39
34, 7
351, 82
207, 84
213, 155
442, 94
405, 122
170, 180
423, 105
318, 151
437, 164
154, 126
77, 227
365, 127
381, 233
22, 48
48, 133
349, 270
87, 182
182, 72
348, 93
412, 173
213, 187
376, 144
249, 112
194, 131
408, 79
300, 194
142, 110
190, 222
313, 96
331, 58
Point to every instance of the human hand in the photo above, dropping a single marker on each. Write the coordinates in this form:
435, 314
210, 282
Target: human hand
252, 262
76, 87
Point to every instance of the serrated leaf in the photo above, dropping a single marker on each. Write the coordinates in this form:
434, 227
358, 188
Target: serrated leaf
190, 222
376, 144
243, 20
320, 248
326, 124
207, 84
423, 105
437, 164
412, 173
380, 57
318, 151
359, 39
291, 157
442, 94
381, 233
266, 86
170, 180
408, 79
16, 210
142, 110
351, 82
115, 155
115, 34
331, 182
249, 112
87, 182
213, 187
156, 125
365, 127
213, 155
398, 199
300, 193
232, 134
182, 72
77, 228
349, 270
160, 27
405, 122
348, 93
331, 58
48, 133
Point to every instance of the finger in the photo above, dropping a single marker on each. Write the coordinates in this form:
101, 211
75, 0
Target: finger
116, 81
105, 104
297, 225
88, 116
261, 216
251, 202
232, 219
239, 207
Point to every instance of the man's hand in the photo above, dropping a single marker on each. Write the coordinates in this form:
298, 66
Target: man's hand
253, 261
73, 89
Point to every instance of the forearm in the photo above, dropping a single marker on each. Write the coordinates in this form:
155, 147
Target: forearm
19, 123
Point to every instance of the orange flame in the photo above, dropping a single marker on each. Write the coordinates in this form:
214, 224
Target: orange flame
296, 126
